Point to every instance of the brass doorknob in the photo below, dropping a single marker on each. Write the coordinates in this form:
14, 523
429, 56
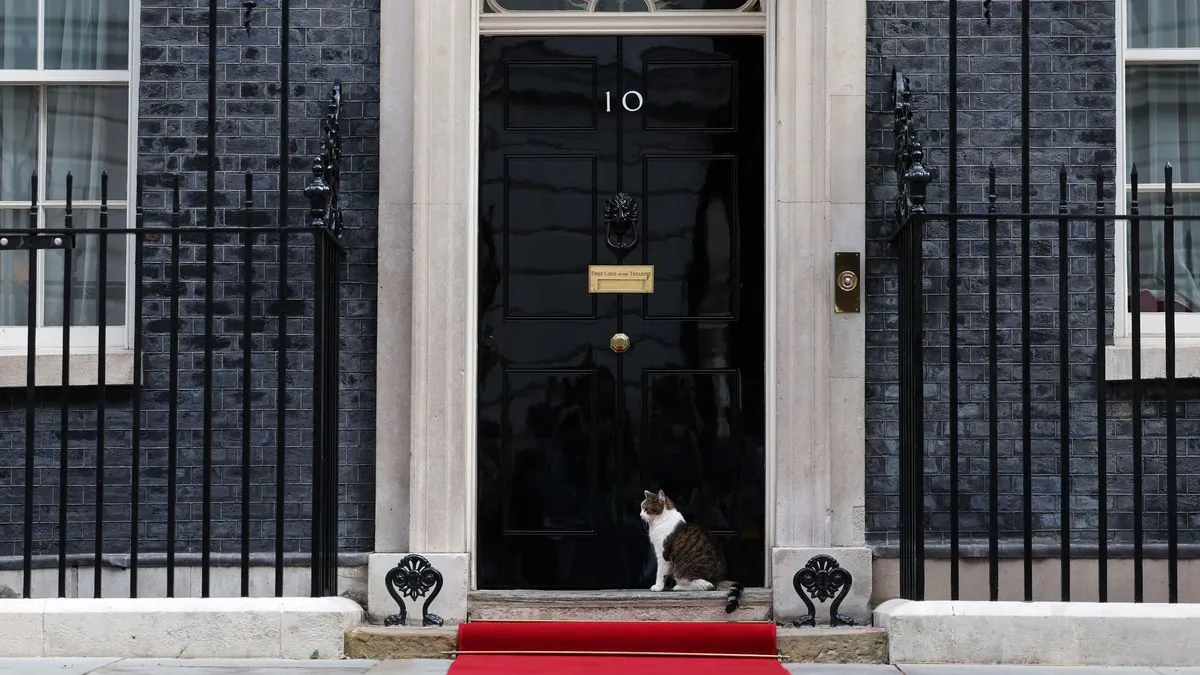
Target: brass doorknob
619, 342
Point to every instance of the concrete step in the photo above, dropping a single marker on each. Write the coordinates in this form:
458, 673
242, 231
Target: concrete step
616, 606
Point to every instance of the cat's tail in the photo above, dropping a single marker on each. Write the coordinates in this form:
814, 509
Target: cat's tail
733, 596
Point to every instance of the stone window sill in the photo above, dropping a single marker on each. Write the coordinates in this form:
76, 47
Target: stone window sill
1118, 359
118, 369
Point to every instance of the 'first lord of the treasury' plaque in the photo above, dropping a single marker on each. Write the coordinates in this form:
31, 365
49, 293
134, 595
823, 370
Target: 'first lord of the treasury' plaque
620, 278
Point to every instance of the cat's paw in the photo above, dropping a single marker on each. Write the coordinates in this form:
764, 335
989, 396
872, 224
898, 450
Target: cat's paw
657, 587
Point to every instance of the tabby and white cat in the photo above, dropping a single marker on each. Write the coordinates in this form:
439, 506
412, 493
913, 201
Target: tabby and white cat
685, 551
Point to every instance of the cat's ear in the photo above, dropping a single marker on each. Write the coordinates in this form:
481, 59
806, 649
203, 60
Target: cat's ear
662, 496
648, 493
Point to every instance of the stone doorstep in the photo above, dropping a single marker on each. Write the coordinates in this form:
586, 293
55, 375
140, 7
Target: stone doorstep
377, 642
856, 644
644, 605
796, 645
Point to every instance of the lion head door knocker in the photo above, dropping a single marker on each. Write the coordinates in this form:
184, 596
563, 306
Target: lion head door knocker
620, 221
414, 577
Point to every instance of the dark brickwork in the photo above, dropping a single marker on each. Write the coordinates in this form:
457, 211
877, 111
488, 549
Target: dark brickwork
331, 40
1073, 121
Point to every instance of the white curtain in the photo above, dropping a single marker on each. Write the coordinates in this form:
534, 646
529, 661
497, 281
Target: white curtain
87, 132
18, 150
1163, 105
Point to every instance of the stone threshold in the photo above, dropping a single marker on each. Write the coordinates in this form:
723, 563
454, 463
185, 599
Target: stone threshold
617, 605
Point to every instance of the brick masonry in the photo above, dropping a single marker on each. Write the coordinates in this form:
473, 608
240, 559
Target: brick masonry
330, 40
1073, 122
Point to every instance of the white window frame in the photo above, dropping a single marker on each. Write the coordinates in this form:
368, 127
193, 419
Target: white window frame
1153, 324
14, 340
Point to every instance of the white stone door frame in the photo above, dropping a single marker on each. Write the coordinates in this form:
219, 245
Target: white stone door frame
816, 156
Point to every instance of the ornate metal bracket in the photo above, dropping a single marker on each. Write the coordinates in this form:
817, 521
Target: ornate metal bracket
822, 576
324, 190
987, 11
620, 222
908, 157
249, 6
414, 577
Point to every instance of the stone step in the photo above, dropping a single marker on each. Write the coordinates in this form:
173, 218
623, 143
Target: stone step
616, 606
823, 644
796, 645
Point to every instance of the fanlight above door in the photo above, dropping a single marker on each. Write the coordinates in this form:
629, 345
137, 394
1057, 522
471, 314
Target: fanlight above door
502, 6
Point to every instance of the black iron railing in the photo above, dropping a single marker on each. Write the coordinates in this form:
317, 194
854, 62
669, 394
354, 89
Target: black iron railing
232, 333
1015, 441
1072, 237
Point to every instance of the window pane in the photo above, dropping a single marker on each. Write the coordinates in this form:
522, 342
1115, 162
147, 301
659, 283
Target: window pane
85, 268
1164, 23
18, 141
1151, 251
87, 34
18, 33
621, 6
87, 133
706, 4
618, 5
14, 273
1162, 104
534, 5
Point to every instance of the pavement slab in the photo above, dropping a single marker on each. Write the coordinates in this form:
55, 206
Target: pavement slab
111, 666
952, 669
52, 666
840, 669
412, 667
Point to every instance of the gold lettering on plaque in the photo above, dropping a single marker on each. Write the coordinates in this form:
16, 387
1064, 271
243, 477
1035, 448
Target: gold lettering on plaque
620, 278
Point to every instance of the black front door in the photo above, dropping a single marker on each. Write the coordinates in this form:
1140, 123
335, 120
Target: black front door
570, 431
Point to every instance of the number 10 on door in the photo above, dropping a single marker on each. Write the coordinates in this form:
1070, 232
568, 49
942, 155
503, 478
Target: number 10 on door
632, 101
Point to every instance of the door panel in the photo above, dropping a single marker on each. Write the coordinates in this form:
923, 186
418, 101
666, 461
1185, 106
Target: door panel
570, 433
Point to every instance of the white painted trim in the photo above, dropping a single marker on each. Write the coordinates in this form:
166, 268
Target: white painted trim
41, 34
1148, 56
1120, 287
470, 461
38, 77
131, 173
612, 23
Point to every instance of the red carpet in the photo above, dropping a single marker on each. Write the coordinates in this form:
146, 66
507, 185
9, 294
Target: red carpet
592, 648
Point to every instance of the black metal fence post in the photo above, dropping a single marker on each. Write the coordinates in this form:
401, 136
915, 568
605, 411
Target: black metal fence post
324, 193
912, 179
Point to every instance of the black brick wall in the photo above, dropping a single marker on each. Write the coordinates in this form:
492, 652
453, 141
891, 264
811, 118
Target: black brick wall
330, 40
1073, 122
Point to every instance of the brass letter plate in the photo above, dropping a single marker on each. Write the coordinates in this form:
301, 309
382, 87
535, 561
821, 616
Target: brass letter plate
620, 278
